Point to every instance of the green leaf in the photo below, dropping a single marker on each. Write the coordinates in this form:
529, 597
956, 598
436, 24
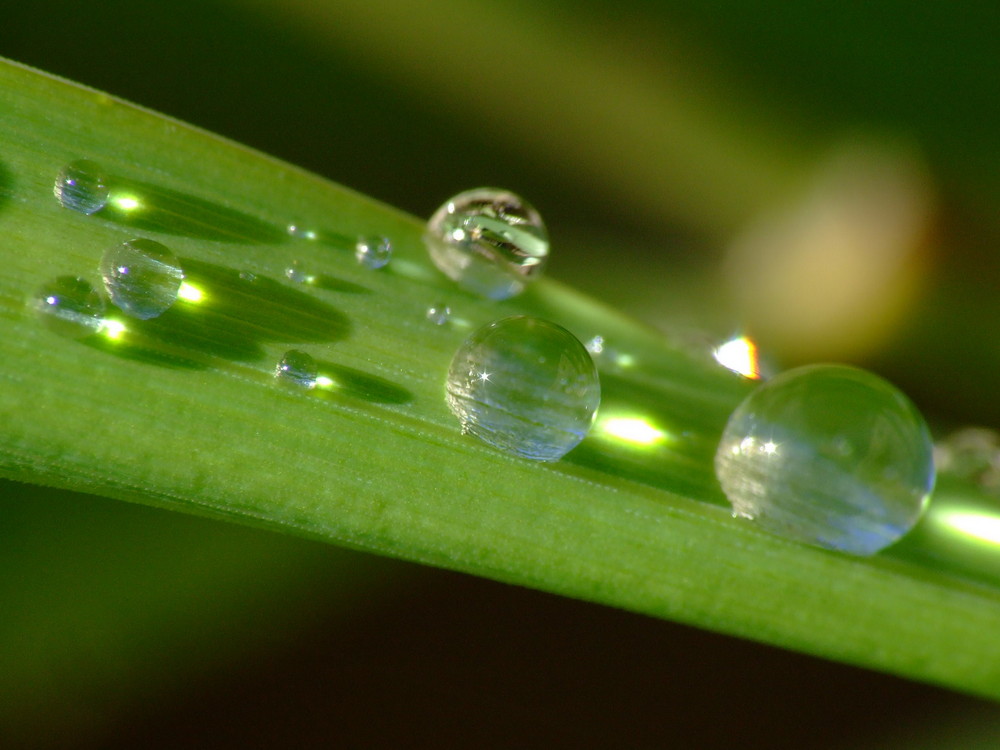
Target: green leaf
183, 412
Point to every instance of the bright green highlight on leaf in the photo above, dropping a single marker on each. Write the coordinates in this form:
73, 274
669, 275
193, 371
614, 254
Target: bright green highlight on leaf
182, 411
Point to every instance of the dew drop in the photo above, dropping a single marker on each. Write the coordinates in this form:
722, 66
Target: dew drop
82, 186
373, 252
828, 455
439, 314
248, 276
297, 368
973, 454
525, 386
142, 277
296, 272
490, 241
595, 346
70, 306
300, 232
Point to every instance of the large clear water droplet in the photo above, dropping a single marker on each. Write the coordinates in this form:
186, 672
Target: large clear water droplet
142, 277
373, 252
297, 368
490, 241
82, 186
525, 386
828, 455
70, 306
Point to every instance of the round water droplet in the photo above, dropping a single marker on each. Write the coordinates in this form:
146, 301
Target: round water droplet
525, 386
297, 368
439, 314
490, 241
82, 186
70, 306
142, 277
373, 252
828, 455
296, 272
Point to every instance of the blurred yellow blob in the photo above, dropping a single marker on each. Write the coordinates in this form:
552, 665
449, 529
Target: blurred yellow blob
833, 276
739, 355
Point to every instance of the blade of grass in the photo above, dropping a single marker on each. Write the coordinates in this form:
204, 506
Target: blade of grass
181, 412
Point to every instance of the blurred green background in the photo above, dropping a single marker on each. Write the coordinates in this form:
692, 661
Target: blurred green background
701, 165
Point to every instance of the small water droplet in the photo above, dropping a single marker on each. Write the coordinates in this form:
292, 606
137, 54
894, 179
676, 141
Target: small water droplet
490, 241
70, 306
740, 355
439, 314
973, 454
248, 277
828, 455
82, 186
296, 272
373, 252
297, 368
596, 346
525, 386
301, 232
142, 277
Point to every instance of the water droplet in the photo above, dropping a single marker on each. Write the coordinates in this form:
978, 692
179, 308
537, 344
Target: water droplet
297, 273
70, 306
439, 314
300, 232
490, 241
828, 455
82, 186
248, 277
525, 386
297, 368
373, 252
740, 355
596, 346
972, 453
142, 277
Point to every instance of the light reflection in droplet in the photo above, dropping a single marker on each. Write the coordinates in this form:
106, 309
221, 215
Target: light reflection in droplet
740, 355
126, 203
632, 429
190, 293
112, 329
981, 526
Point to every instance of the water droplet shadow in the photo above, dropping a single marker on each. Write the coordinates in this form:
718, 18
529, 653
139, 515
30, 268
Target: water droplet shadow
6, 185
229, 317
353, 383
633, 438
267, 309
153, 208
333, 284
